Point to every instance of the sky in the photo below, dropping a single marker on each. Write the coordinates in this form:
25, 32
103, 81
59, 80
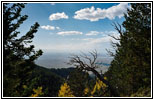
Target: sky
73, 27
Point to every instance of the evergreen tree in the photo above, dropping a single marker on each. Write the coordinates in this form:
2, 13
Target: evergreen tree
131, 67
18, 56
78, 81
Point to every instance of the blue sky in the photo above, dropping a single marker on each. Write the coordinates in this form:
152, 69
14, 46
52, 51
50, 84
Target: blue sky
72, 27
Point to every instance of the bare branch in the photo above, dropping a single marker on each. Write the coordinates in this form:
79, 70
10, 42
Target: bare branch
94, 54
114, 37
86, 57
78, 62
118, 27
110, 53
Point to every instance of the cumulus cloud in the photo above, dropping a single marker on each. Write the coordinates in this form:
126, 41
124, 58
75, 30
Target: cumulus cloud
48, 27
69, 33
57, 16
93, 14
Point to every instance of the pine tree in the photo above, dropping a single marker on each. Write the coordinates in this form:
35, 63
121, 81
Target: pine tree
131, 67
78, 81
18, 56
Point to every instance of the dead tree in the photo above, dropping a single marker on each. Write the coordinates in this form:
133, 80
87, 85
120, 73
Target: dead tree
89, 63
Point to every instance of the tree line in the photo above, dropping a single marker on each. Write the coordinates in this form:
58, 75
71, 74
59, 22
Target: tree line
128, 75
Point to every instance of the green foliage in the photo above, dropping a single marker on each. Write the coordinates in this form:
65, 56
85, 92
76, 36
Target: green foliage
142, 92
78, 81
49, 81
27, 89
131, 67
63, 72
18, 57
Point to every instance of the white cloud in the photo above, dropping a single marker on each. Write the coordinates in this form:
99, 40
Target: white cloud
87, 39
105, 33
69, 33
82, 44
52, 4
107, 38
93, 14
48, 27
57, 16
86, 44
58, 28
95, 41
101, 40
111, 32
93, 33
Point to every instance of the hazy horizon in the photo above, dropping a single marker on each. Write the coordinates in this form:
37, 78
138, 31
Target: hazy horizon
60, 59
